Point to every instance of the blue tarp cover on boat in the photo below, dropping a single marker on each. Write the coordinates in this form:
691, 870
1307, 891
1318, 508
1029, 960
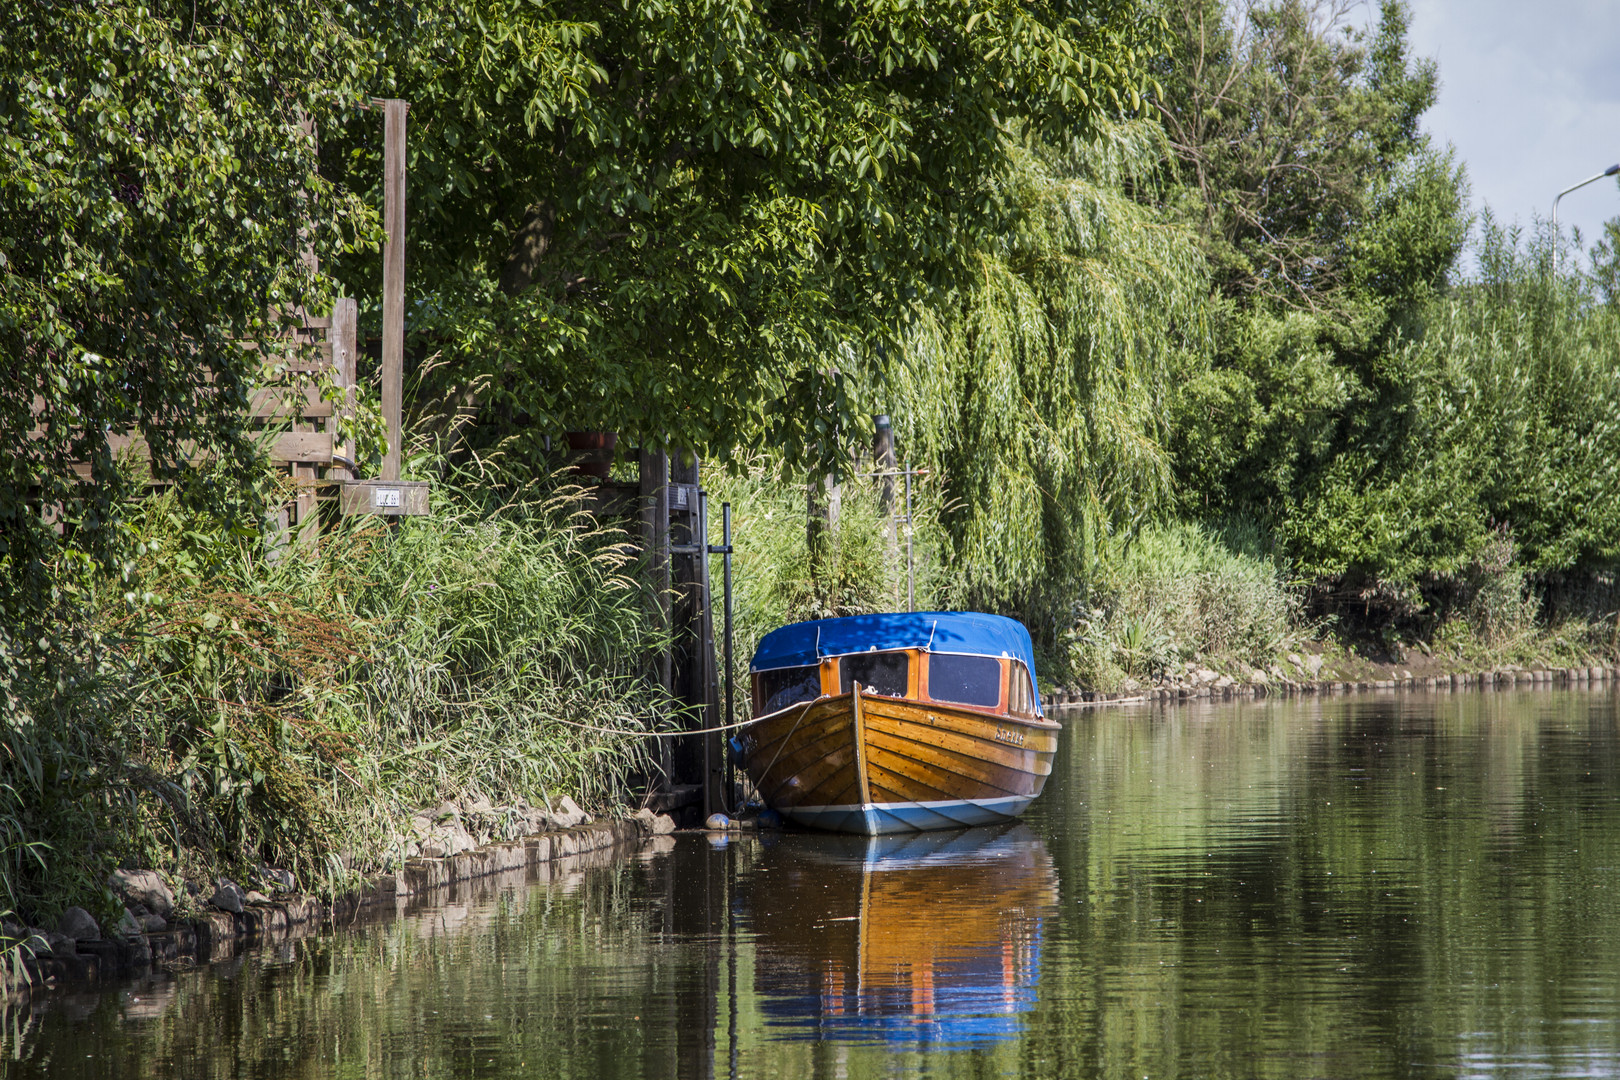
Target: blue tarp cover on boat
935, 631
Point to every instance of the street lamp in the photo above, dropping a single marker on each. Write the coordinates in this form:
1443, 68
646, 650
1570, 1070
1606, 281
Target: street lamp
1610, 171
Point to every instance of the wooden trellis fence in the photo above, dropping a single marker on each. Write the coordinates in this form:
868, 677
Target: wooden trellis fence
302, 429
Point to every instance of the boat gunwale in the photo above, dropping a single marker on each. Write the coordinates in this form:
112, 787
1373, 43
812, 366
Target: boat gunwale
1034, 720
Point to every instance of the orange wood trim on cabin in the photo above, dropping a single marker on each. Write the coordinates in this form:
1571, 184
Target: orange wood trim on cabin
918, 687
859, 724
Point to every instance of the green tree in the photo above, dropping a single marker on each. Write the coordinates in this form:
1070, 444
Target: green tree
1038, 390
696, 218
1331, 224
157, 192
1286, 123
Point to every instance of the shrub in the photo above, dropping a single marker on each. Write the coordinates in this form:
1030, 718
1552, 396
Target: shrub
229, 703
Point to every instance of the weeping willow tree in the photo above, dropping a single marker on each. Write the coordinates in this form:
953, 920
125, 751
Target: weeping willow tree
1037, 389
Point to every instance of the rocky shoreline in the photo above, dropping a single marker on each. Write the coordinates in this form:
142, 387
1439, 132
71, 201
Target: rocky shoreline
156, 931
1201, 683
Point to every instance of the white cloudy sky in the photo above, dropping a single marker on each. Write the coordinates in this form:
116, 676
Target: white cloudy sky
1530, 97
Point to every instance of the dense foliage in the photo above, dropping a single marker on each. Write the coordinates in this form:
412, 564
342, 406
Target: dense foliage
1038, 391
293, 711
1410, 430
703, 221
157, 193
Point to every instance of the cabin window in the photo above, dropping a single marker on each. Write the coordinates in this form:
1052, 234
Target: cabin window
782, 687
887, 673
965, 680
1020, 695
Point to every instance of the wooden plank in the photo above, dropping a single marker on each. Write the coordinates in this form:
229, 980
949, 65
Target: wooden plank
393, 313
283, 402
345, 339
311, 355
310, 447
389, 498
653, 467
313, 447
858, 731
958, 776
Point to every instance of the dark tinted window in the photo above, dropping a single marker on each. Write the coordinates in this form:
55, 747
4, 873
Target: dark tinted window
784, 686
880, 672
966, 680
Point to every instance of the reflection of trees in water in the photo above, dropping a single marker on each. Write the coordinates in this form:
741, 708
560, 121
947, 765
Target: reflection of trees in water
1338, 887
491, 978
1351, 887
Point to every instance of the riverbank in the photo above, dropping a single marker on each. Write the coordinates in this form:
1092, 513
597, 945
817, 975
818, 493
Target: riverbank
1201, 683
184, 933
220, 706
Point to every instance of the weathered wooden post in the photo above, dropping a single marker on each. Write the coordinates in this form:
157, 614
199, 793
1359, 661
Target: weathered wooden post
393, 313
387, 494
911, 573
344, 337
824, 502
883, 468
883, 461
714, 761
730, 659
653, 466
689, 676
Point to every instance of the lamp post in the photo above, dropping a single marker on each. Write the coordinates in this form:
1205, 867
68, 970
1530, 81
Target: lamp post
1610, 171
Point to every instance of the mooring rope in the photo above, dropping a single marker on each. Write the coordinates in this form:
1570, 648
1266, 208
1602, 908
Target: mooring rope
788, 737
654, 734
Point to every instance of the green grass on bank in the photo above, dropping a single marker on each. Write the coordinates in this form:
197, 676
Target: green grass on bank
1181, 594
1177, 592
225, 704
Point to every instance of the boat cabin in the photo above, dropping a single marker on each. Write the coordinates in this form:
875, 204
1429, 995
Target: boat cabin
962, 660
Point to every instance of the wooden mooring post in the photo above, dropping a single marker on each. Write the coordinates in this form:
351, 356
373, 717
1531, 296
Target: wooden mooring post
673, 521
393, 313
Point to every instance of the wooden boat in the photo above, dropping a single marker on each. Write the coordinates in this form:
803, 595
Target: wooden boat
892, 723
921, 938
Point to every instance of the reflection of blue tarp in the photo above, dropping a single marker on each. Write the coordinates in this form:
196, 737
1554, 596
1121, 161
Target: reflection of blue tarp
970, 1007
973, 1002
937, 631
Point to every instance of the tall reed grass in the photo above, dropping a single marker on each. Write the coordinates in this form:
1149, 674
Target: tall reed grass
1181, 591
860, 566
229, 704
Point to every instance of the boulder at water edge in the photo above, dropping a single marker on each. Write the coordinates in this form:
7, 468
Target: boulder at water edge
77, 923
142, 887
653, 824
228, 896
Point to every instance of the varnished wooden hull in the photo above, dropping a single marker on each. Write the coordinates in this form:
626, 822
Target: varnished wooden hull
859, 763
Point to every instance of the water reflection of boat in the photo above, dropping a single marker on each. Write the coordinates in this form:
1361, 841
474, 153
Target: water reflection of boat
931, 937
899, 722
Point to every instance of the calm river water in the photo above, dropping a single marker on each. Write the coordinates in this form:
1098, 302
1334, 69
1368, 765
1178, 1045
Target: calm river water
1356, 887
